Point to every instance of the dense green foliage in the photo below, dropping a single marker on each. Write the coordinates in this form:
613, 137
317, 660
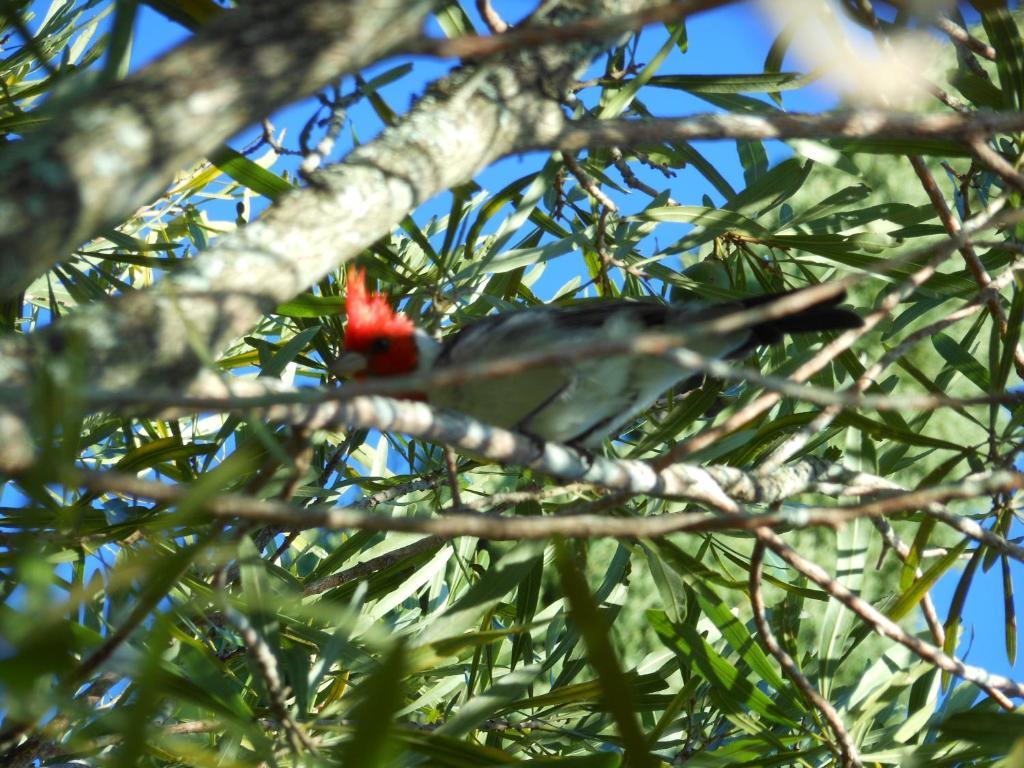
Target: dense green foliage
140, 632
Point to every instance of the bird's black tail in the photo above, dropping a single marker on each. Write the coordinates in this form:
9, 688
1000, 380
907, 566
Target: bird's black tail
824, 316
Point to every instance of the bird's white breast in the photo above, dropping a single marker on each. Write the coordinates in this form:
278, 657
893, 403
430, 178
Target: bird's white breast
580, 401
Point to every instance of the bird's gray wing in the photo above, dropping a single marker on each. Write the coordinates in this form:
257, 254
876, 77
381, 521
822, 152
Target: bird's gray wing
528, 329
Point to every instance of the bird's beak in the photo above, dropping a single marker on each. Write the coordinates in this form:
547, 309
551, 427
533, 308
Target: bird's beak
348, 364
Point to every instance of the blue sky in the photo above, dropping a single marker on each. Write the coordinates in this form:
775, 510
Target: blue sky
730, 39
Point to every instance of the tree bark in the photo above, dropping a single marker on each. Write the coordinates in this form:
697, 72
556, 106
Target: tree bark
104, 155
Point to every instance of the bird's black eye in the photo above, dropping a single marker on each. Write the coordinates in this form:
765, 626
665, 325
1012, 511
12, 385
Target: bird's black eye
380, 345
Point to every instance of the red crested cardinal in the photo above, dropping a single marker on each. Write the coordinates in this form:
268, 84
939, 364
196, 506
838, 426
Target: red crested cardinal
582, 401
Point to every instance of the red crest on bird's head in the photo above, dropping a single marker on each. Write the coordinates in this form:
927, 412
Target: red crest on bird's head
376, 331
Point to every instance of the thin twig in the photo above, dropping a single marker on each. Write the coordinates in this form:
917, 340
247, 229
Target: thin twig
995, 162
958, 34
368, 568
587, 182
844, 744
796, 442
491, 17
631, 179
312, 158
883, 625
451, 464
270, 140
977, 269
266, 663
531, 36
231, 507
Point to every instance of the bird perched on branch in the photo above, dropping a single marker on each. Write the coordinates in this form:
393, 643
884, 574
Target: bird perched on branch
581, 400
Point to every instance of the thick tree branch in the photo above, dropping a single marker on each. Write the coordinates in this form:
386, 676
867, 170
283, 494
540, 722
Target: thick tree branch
851, 124
501, 445
97, 161
492, 526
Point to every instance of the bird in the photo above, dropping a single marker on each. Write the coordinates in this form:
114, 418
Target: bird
581, 401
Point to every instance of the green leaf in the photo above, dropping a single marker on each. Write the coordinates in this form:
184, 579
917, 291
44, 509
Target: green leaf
708, 223
380, 107
886, 146
978, 90
731, 691
527, 596
599, 760
752, 83
585, 695
982, 725
835, 203
687, 565
389, 76
506, 689
913, 559
770, 189
753, 158
1001, 28
191, 14
120, 43
1009, 612
710, 219
777, 53
602, 657
453, 20
341, 553
446, 751
852, 543
956, 607
249, 174
501, 579
165, 449
524, 257
962, 360
379, 697
687, 153
257, 593
743, 643
1013, 329
311, 305
288, 352
621, 97
912, 596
